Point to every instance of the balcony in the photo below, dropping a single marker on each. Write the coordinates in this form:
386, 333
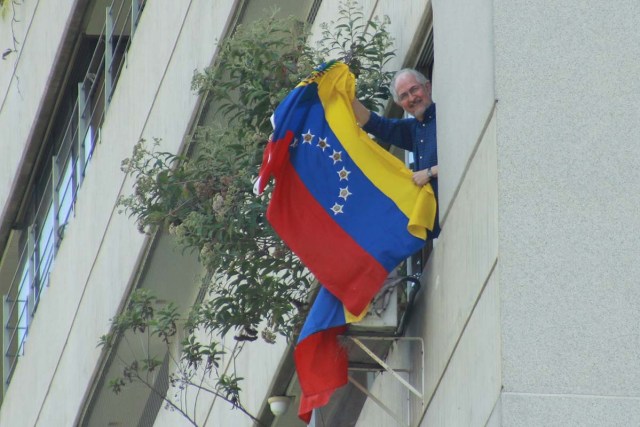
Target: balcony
66, 151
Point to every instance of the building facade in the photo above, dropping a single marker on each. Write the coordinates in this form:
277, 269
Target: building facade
527, 313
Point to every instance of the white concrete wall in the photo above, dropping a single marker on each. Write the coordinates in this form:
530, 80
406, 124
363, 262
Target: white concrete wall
471, 384
101, 247
567, 115
24, 76
463, 86
461, 278
257, 364
458, 311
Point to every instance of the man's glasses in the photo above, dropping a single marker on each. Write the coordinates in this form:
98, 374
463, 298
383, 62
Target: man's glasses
413, 91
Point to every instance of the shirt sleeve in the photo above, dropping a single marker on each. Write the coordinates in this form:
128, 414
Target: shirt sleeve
391, 131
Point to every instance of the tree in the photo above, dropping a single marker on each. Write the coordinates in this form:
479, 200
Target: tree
255, 286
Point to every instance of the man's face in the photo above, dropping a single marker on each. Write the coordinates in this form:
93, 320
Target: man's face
413, 97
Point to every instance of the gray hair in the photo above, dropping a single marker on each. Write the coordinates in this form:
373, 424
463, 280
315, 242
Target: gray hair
417, 74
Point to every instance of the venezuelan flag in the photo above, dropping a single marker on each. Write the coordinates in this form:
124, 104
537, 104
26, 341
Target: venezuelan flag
346, 207
321, 363
343, 204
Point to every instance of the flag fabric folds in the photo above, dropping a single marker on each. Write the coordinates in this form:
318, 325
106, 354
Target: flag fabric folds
321, 363
346, 207
343, 204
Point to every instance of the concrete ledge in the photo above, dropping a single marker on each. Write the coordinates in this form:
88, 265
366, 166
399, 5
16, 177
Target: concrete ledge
471, 384
551, 410
460, 264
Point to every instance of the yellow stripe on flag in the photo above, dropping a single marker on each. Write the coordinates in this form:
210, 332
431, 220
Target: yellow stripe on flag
352, 318
336, 88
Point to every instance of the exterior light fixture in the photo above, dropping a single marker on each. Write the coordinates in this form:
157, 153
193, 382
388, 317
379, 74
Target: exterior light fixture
279, 404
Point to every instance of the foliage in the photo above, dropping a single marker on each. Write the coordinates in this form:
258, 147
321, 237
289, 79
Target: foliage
197, 361
255, 286
367, 47
4, 8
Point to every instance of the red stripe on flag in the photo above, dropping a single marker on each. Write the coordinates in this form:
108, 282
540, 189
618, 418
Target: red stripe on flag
322, 365
275, 153
341, 265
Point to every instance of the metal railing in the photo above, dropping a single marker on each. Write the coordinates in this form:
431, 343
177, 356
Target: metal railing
55, 198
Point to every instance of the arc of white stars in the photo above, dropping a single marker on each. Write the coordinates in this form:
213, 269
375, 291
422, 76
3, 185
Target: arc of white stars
344, 174
337, 209
323, 144
336, 156
307, 137
345, 193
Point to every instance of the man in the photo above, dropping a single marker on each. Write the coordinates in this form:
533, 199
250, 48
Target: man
411, 90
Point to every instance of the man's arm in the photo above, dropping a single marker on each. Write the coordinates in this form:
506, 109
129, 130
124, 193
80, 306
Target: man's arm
363, 115
361, 112
390, 131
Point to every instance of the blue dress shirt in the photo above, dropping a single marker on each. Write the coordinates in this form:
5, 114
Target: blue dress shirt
412, 135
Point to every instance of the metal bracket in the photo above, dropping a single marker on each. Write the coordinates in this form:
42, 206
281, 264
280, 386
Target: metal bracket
394, 372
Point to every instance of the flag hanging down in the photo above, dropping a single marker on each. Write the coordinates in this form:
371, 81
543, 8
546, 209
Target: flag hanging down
321, 363
346, 207
343, 204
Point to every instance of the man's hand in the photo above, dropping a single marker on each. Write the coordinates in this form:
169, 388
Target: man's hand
422, 177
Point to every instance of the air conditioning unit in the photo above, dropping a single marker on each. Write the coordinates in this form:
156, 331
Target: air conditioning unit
389, 311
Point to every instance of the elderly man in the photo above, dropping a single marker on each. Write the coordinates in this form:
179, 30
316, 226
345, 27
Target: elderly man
411, 90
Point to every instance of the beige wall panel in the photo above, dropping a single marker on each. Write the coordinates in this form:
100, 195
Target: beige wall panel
471, 384
405, 19
568, 152
21, 95
534, 410
98, 256
461, 262
460, 265
463, 85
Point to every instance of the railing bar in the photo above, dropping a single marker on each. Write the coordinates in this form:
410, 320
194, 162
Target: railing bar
17, 301
63, 195
99, 121
13, 300
98, 73
47, 263
14, 327
42, 206
15, 330
66, 136
45, 242
117, 17
377, 401
99, 69
385, 366
32, 275
95, 56
101, 37
93, 110
18, 270
95, 106
120, 37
